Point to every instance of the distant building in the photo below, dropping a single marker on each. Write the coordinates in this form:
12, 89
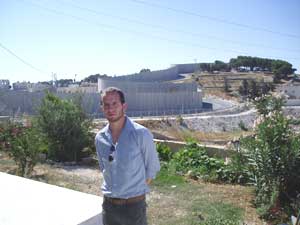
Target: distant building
75, 88
21, 86
39, 87
31, 87
4, 85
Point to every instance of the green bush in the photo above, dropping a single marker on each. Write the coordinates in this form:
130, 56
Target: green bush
65, 127
164, 152
274, 158
7, 131
194, 160
237, 170
24, 144
25, 150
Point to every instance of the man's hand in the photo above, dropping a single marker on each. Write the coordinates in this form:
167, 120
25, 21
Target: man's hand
148, 181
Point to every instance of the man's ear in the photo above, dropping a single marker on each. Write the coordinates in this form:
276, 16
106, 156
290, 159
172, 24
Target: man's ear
125, 106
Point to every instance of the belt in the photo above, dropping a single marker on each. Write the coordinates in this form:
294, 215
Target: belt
123, 201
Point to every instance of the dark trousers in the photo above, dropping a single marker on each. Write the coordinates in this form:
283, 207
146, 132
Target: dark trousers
126, 214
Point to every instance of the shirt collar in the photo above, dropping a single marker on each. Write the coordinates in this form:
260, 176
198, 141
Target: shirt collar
127, 127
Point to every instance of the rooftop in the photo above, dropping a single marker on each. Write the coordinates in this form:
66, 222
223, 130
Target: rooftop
24, 201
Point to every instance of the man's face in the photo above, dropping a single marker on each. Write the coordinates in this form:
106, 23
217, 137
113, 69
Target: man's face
112, 107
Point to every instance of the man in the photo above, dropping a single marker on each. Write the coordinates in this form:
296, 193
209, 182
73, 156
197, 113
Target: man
128, 160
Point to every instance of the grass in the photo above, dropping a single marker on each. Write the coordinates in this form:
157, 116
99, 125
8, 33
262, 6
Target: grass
165, 179
188, 203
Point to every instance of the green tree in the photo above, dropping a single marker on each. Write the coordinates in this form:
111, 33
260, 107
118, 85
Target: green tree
145, 70
66, 128
281, 69
206, 67
63, 82
220, 66
93, 78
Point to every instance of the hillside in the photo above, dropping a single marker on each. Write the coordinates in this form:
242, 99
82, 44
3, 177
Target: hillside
214, 83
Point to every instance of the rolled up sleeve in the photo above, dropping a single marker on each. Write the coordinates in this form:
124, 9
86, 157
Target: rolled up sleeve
150, 155
97, 145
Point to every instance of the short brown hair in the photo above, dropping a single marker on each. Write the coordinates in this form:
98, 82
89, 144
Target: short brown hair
111, 90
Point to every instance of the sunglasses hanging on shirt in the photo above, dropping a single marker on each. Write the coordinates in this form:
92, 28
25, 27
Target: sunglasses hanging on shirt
111, 154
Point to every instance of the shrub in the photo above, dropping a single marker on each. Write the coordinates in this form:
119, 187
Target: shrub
25, 149
24, 144
164, 152
7, 131
194, 160
66, 128
274, 157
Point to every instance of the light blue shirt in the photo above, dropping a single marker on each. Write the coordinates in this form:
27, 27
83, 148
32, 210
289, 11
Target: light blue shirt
135, 160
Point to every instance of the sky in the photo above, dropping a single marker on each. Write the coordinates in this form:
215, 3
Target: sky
72, 39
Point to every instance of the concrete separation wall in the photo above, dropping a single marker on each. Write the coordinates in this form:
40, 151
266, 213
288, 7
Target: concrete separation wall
14, 103
158, 75
171, 73
156, 98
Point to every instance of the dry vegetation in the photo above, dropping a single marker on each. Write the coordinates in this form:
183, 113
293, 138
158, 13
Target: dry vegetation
213, 83
216, 81
166, 130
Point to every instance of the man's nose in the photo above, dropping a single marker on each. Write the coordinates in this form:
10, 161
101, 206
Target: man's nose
110, 108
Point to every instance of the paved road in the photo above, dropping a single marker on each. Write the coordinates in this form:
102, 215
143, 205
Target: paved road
218, 103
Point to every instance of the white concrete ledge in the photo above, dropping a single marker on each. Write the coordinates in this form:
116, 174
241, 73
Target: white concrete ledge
24, 201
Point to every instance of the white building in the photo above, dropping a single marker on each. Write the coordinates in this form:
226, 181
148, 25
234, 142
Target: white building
30, 87
83, 88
